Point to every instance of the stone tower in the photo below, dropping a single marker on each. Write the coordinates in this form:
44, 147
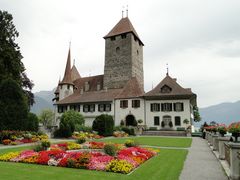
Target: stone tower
66, 85
123, 55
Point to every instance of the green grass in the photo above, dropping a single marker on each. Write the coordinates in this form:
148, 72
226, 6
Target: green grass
155, 141
166, 166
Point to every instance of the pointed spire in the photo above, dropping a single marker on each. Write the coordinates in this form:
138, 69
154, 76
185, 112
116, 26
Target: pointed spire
67, 75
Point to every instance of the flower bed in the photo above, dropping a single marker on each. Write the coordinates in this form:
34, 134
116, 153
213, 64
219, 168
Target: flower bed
126, 159
20, 137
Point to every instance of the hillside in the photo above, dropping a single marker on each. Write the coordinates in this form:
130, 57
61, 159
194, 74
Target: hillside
221, 113
43, 100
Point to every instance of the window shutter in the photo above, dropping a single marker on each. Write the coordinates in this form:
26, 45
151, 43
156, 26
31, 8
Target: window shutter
151, 107
158, 106
182, 106
110, 107
174, 106
99, 107
170, 104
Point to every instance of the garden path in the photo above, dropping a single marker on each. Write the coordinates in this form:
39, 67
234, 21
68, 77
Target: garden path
201, 164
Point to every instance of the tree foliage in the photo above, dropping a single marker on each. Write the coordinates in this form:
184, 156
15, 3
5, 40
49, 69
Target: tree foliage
103, 124
32, 122
13, 106
68, 122
11, 65
196, 114
46, 117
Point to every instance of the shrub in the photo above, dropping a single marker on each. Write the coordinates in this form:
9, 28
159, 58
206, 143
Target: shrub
45, 144
163, 124
32, 122
68, 122
128, 130
103, 124
131, 143
81, 140
122, 123
83, 128
110, 149
170, 124
38, 148
140, 121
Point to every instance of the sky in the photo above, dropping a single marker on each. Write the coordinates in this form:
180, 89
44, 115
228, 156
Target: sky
199, 40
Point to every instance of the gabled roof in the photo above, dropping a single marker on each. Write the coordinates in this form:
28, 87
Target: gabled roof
67, 79
74, 73
173, 89
131, 89
123, 26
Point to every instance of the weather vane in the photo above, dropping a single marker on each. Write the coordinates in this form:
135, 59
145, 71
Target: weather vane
167, 68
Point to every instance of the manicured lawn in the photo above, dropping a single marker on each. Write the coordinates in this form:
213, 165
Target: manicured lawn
155, 141
166, 166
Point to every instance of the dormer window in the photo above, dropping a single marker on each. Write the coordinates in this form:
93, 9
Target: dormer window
166, 89
86, 86
124, 36
113, 38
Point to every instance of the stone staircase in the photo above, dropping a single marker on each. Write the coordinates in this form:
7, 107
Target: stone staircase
164, 133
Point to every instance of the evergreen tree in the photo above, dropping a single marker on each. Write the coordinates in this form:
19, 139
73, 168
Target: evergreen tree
11, 65
13, 106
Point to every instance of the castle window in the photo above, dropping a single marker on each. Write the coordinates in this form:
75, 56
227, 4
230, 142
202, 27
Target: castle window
135, 103
68, 86
101, 107
92, 108
178, 106
177, 121
75, 107
123, 103
62, 109
113, 38
156, 121
166, 89
166, 106
117, 49
155, 107
124, 36
104, 107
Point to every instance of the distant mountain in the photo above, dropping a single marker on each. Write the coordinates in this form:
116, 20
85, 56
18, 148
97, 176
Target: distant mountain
221, 113
43, 100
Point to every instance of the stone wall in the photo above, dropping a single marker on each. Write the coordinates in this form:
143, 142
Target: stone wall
123, 60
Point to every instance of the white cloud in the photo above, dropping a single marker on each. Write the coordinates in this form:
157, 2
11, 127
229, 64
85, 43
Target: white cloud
199, 39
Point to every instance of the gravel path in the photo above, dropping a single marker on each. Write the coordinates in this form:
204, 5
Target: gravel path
201, 164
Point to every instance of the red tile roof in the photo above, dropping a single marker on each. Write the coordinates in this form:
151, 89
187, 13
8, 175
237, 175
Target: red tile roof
131, 89
175, 89
74, 73
123, 26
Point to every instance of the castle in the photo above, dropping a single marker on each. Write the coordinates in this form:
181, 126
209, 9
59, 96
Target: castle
120, 90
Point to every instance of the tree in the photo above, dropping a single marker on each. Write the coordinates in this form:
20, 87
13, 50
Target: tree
196, 114
46, 117
103, 124
32, 122
68, 123
11, 65
13, 106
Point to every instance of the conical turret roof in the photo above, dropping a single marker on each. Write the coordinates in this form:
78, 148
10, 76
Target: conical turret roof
67, 79
123, 26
